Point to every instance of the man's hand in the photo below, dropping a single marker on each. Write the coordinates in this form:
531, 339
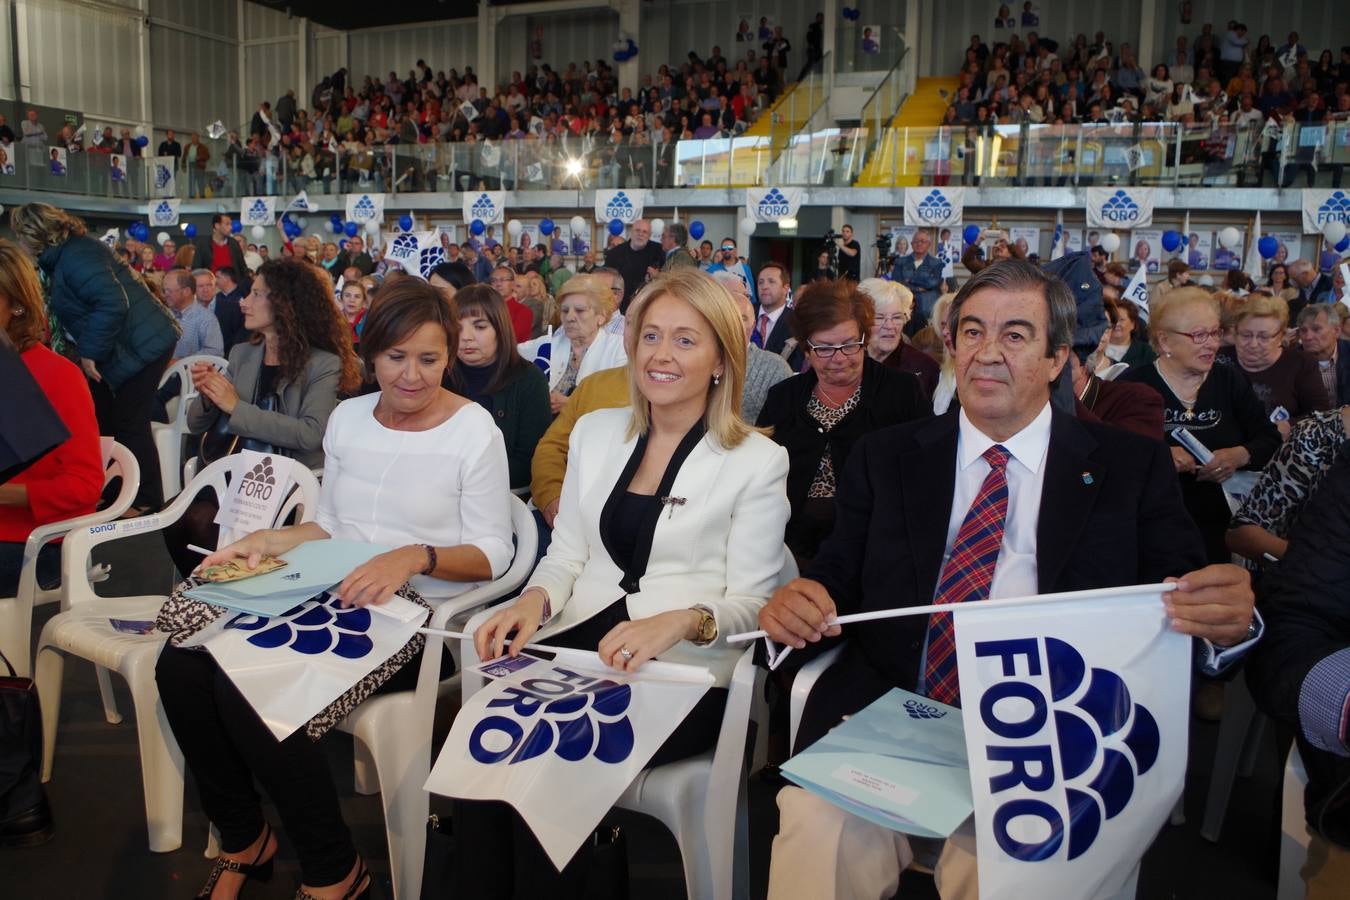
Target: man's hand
90, 369
797, 613
1214, 603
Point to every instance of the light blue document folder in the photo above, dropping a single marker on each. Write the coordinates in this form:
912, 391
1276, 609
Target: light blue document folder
311, 569
900, 763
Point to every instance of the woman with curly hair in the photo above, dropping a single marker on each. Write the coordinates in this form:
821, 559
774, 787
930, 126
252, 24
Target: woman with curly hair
280, 386
121, 333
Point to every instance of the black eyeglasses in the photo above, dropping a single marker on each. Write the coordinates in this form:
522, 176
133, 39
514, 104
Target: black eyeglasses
827, 351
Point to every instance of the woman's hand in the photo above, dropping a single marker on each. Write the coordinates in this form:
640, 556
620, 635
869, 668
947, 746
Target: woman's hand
251, 549
377, 579
647, 638
522, 617
1226, 461
90, 369
556, 401
215, 387
1182, 459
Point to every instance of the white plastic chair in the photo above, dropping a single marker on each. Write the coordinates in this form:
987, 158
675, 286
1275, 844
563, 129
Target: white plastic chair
82, 629
702, 799
169, 438
1294, 834
393, 731
16, 613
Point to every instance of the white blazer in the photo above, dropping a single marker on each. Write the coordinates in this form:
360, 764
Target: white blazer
722, 548
605, 352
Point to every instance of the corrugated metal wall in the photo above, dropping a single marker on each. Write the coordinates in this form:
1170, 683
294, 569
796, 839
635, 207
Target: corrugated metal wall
670, 31
1320, 25
195, 78
451, 44
574, 37
327, 53
84, 58
6, 61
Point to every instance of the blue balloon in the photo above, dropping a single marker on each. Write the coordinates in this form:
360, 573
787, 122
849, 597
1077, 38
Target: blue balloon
141, 141
190, 230
351, 229
405, 222
139, 231
696, 229
616, 227
336, 219
546, 227
1344, 244
1267, 247
970, 234
236, 226
1328, 260
1171, 240
477, 227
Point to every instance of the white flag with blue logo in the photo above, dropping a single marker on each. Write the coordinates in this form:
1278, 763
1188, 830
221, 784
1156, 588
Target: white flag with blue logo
489, 206
624, 204
163, 213
417, 252
1076, 718
258, 211
1109, 207
773, 204
935, 207
1321, 207
162, 175
362, 208
562, 740
291, 667
1137, 291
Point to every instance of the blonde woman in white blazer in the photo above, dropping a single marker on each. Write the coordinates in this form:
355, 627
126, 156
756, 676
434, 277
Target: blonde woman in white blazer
669, 537
582, 345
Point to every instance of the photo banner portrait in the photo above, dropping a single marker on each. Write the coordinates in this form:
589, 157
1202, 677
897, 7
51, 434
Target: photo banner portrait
363, 208
489, 206
258, 211
162, 176
162, 213
625, 204
1123, 208
1076, 716
561, 740
1321, 207
935, 207
773, 204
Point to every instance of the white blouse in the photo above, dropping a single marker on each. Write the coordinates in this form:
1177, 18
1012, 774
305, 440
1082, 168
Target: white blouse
445, 486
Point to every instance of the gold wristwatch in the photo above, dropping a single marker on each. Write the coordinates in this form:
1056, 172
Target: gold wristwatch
707, 626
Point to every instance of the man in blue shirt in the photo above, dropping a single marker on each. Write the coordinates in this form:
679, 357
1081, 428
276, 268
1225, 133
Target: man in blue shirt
728, 261
200, 330
921, 272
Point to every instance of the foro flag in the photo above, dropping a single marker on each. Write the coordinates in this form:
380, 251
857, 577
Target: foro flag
1076, 717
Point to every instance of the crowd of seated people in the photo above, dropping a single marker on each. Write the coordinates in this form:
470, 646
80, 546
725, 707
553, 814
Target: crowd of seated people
646, 385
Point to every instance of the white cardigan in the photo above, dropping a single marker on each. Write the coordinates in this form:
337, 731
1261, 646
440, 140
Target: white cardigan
722, 548
605, 352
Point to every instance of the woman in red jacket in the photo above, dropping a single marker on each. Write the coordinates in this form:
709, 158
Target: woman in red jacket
67, 481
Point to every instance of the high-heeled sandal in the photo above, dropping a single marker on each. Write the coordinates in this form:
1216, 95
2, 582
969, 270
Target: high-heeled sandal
251, 871
361, 875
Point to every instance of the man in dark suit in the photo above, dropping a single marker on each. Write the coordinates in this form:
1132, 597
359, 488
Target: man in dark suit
1312, 287
633, 258
773, 324
217, 249
358, 257
1086, 507
1300, 674
1319, 330
673, 241
921, 272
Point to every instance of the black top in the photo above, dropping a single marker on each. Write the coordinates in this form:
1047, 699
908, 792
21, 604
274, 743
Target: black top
850, 266
633, 264
474, 380
630, 513
267, 381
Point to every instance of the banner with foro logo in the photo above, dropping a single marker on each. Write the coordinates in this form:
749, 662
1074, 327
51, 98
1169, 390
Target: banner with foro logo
488, 206
625, 204
1321, 207
773, 204
935, 207
1119, 207
1075, 717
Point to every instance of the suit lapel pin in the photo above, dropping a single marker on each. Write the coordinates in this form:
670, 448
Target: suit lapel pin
670, 503
1087, 478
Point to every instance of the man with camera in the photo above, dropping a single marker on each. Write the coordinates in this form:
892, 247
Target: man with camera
850, 254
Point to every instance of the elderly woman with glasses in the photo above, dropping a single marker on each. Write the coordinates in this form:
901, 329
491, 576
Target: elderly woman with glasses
1286, 381
894, 304
819, 414
1215, 404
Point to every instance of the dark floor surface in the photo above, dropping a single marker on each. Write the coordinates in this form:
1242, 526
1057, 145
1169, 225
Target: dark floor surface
100, 849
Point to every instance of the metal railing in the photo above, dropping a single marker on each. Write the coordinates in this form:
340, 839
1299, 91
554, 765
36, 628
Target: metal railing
1161, 154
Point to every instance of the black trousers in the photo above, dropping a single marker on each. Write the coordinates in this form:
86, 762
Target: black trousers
125, 415
227, 746
497, 857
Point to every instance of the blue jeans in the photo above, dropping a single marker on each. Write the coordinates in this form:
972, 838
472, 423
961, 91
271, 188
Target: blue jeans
11, 561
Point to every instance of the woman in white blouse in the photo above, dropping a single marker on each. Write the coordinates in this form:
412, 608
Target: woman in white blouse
415, 467
582, 346
669, 537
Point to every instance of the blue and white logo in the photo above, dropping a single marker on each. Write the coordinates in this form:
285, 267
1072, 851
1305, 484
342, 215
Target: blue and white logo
364, 210
621, 208
575, 716
404, 247
163, 176
935, 208
429, 258
774, 205
1079, 749
483, 208
1120, 208
259, 212
164, 213
1335, 209
312, 630
917, 709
